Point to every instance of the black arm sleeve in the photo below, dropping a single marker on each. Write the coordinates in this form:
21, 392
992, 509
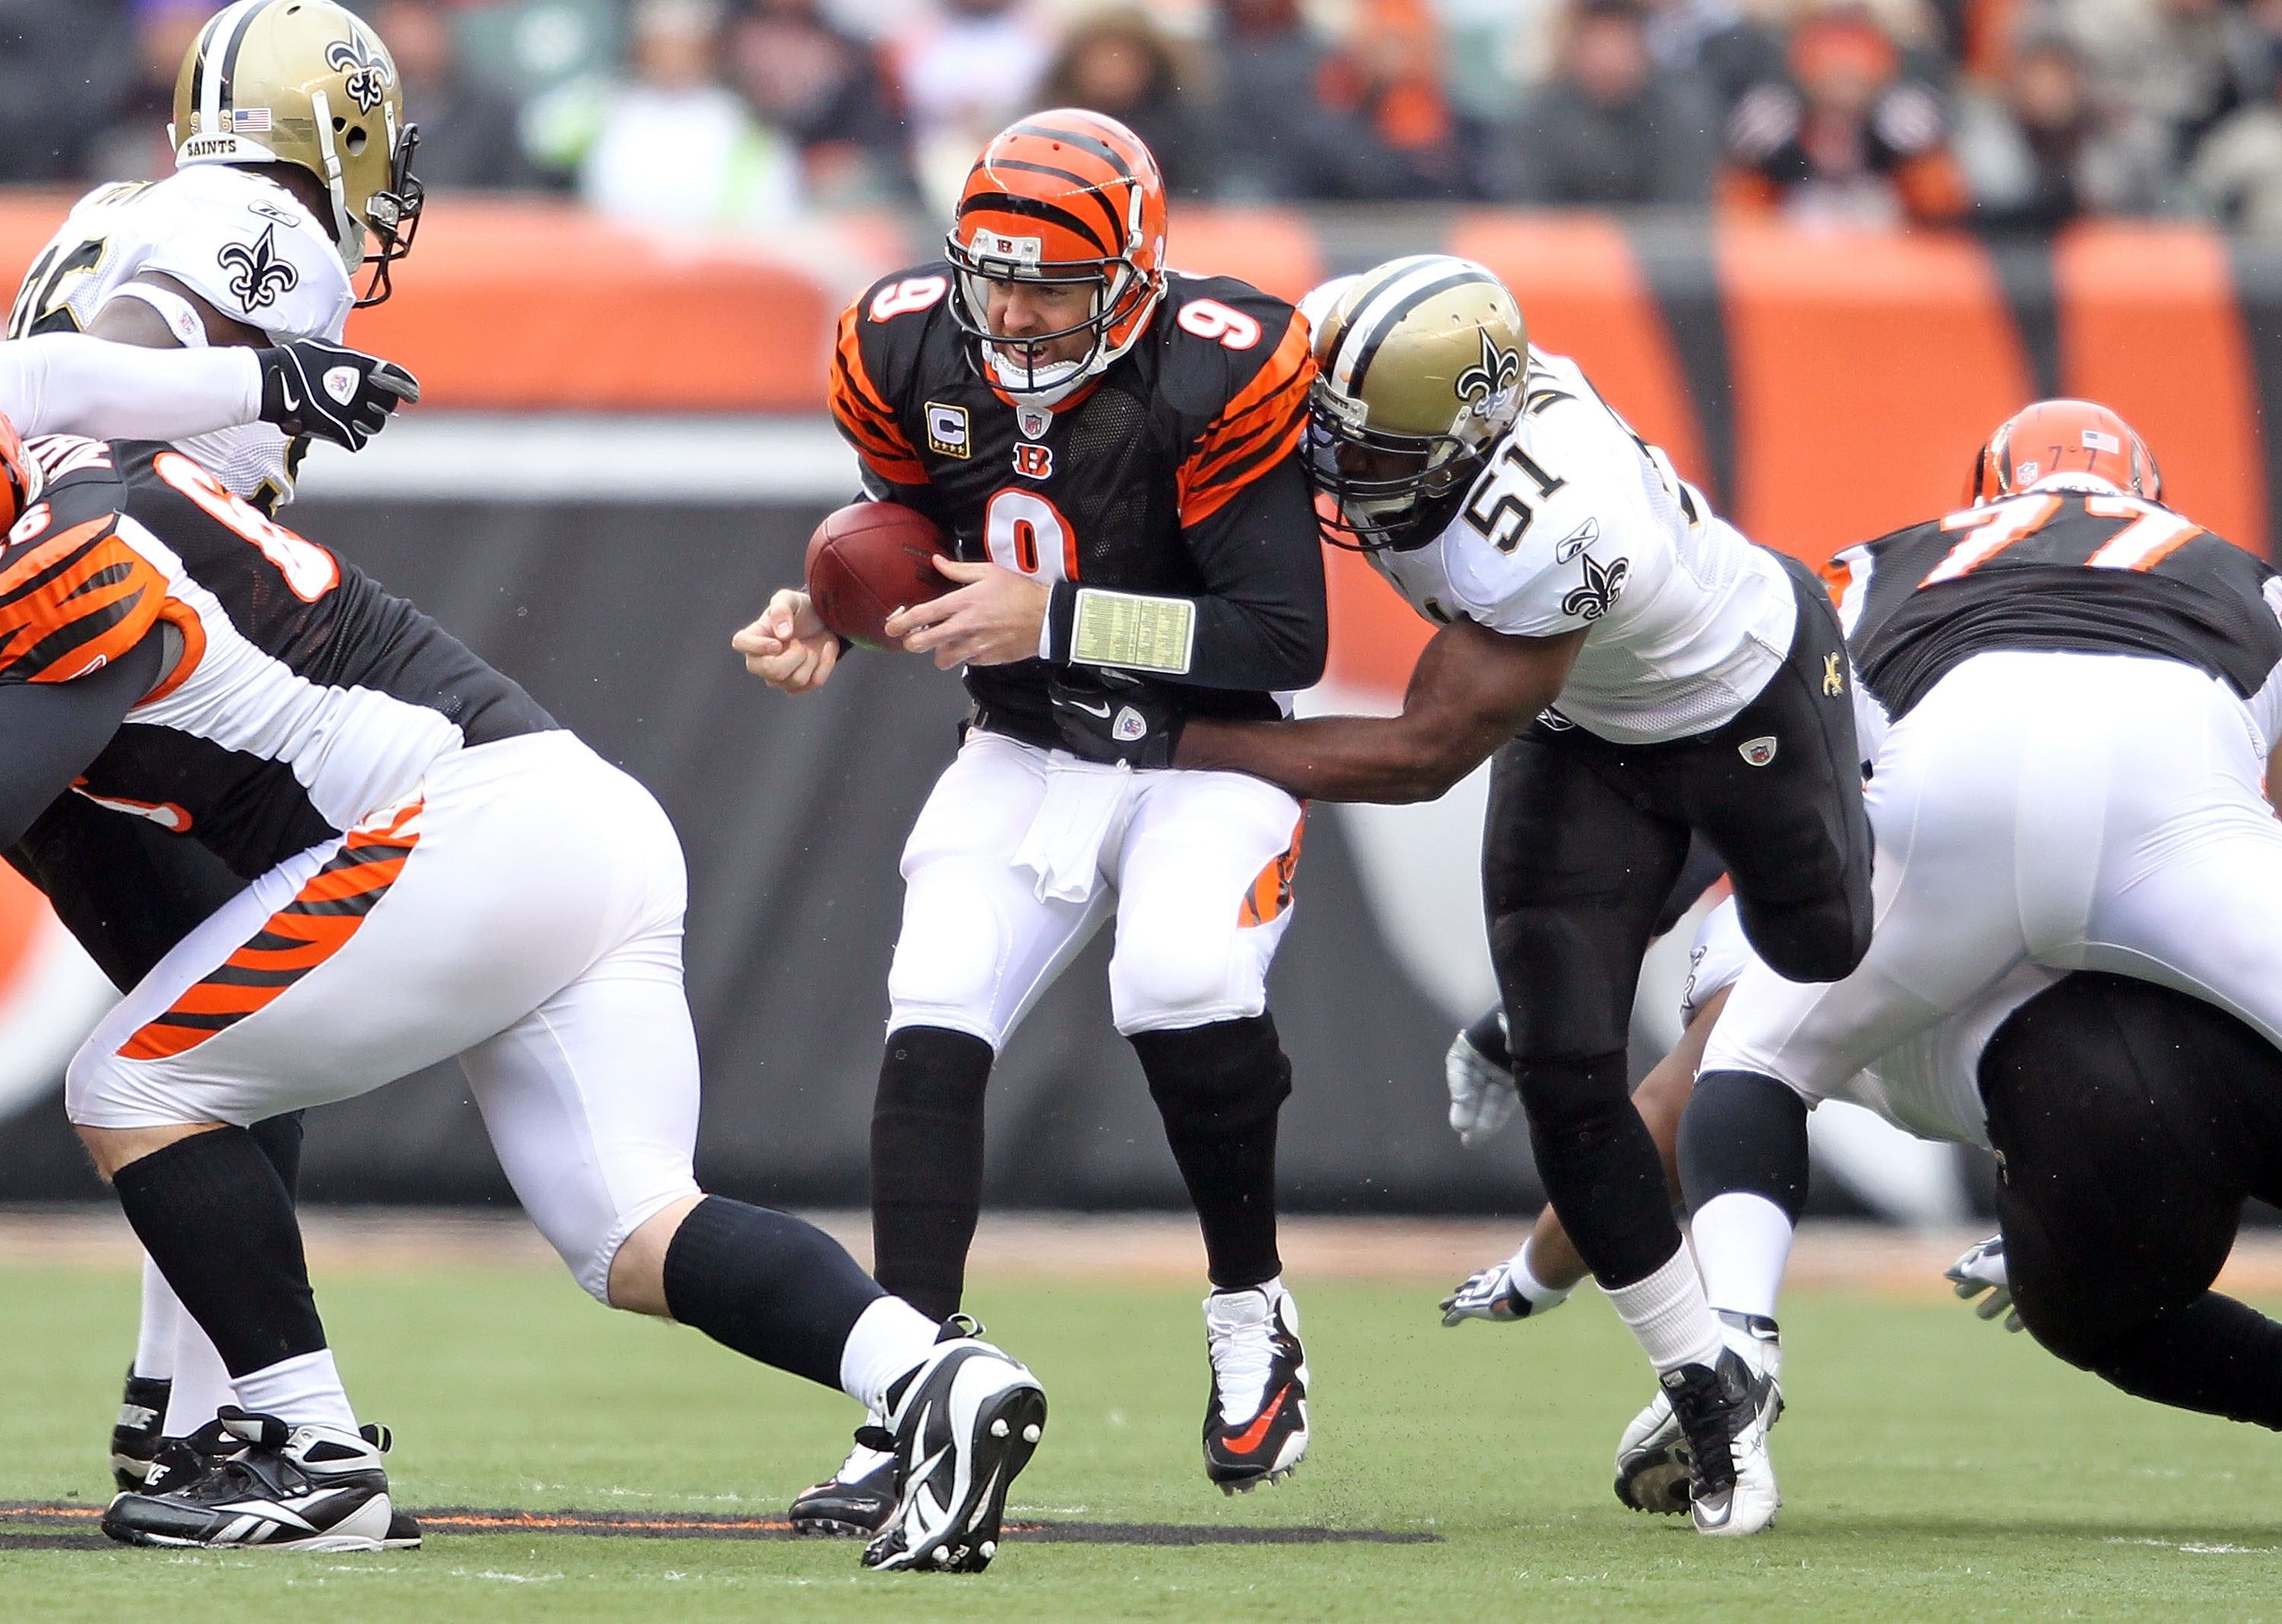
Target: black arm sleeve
1262, 621
49, 731
126, 889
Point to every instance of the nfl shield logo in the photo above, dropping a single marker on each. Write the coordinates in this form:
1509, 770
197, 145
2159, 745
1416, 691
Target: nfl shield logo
1130, 724
1758, 752
341, 384
1035, 420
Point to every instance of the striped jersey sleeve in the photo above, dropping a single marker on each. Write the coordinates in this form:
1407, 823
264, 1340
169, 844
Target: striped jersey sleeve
1258, 427
73, 602
863, 416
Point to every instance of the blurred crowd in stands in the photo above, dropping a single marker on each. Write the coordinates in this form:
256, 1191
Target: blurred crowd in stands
2007, 115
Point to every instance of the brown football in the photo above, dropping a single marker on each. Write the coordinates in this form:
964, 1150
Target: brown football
869, 559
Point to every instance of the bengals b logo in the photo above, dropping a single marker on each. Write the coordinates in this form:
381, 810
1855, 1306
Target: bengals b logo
1034, 462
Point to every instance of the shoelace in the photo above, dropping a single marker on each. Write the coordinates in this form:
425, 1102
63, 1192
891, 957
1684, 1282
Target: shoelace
1243, 1357
1706, 1411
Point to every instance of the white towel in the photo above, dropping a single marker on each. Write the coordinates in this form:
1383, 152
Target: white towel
1084, 800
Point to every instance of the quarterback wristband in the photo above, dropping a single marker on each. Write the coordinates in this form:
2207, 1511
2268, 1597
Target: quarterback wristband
1133, 632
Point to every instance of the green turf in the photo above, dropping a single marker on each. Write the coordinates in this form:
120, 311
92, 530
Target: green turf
1932, 1466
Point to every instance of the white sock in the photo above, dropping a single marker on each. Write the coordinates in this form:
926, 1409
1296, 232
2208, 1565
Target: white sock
1525, 1281
302, 1391
201, 1381
162, 1312
1669, 1315
1743, 1242
887, 1339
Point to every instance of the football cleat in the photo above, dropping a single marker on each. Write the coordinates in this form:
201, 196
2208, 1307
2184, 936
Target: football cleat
1256, 1418
266, 1486
1495, 1294
853, 1503
1725, 1412
135, 1436
964, 1423
1653, 1461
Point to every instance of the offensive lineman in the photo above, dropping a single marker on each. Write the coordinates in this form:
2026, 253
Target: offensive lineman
434, 868
1109, 446
292, 151
1701, 686
2081, 691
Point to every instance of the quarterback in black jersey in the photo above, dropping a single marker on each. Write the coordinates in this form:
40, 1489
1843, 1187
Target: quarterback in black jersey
2071, 696
433, 868
1109, 446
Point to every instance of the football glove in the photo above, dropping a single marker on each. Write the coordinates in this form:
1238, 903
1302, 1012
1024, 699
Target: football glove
332, 393
1111, 717
1983, 1270
1479, 1071
1496, 1294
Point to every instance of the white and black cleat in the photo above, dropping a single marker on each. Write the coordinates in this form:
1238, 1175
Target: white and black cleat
1726, 1413
1653, 1461
136, 1436
964, 1423
257, 1484
1256, 1416
855, 1501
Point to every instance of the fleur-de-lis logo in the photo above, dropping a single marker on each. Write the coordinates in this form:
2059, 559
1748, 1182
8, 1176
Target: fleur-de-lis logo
258, 277
367, 70
1600, 588
1834, 683
1497, 372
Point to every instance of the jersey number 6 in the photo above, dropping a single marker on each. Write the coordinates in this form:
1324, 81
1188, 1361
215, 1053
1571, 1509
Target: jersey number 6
308, 569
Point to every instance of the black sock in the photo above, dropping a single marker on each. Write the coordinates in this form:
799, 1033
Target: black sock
1219, 1088
1599, 1166
2216, 1355
1744, 1132
767, 1284
926, 1164
215, 1218
280, 1138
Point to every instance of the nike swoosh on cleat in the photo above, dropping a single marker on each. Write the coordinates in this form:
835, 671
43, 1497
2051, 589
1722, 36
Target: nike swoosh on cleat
1253, 1436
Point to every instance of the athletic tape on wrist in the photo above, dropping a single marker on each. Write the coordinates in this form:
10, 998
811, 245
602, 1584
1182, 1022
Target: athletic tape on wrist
1139, 634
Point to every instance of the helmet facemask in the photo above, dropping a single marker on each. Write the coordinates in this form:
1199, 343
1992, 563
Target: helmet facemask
21, 478
393, 218
1400, 495
1122, 294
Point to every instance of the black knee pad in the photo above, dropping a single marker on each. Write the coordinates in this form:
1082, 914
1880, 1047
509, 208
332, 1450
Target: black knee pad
280, 1139
1744, 1133
1227, 1077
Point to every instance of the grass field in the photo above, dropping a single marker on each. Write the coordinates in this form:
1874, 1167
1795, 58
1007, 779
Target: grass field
1932, 1467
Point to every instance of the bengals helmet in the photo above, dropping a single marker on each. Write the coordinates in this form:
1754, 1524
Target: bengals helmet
1062, 196
1419, 367
20, 478
2063, 437
305, 82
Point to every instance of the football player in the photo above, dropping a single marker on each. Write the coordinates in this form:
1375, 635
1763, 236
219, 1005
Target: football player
292, 175
2078, 690
432, 867
1109, 447
1640, 672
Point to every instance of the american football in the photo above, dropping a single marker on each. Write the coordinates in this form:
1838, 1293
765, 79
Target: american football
869, 559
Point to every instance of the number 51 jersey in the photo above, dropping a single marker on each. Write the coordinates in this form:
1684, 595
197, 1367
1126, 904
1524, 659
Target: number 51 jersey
298, 698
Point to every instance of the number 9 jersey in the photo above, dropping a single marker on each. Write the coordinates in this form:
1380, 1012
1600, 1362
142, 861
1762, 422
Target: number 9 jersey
1162, 503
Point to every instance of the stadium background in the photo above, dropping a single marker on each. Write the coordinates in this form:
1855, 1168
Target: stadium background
621, 451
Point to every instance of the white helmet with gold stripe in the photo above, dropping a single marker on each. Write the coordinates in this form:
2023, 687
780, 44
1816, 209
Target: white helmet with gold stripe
307, 83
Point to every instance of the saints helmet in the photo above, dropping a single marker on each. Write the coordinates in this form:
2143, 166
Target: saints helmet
2063, 437
307, 83
1419, 370
1061, 196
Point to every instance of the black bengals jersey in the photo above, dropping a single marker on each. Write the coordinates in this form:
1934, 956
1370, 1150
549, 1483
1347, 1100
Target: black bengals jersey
294, 698
1172, 477
2088, 572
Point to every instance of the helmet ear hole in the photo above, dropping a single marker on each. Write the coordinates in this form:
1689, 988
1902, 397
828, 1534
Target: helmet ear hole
355, 142
339, 125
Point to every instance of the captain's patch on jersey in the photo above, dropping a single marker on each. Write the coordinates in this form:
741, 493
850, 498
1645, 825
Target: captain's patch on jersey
1126, 630
948, 434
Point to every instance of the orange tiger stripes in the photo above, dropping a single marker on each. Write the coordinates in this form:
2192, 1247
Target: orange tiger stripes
323, 915
1260, 427
1271, 889
865, 419
75, 601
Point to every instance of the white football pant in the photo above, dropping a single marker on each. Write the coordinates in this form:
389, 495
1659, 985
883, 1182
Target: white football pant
1020, 855
528, 920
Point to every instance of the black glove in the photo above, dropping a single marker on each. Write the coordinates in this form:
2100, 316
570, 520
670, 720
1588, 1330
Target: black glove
334, 393
1107, 716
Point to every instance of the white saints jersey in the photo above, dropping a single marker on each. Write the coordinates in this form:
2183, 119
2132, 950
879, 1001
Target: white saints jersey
240, 242
1928, 1085
1578, 522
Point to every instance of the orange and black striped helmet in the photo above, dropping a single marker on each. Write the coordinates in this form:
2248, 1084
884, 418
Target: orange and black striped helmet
1061, 196
2063, 437
20, 478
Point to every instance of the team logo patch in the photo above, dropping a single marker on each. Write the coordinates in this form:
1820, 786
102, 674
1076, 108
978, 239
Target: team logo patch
1497, 371
1034, 420
1758, 752
1600, 589
366, 69
1553, 721
1129, 726
258, 275
948, 434
1834, 680
1577, 541
1034, 462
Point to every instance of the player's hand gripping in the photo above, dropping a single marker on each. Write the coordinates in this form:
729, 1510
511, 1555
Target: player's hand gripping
1983, 1270
330, 391
789, 647
994, 618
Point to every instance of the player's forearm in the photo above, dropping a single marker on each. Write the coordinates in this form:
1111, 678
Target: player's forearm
51, 731
71, 383
1391, 760
1266, 646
